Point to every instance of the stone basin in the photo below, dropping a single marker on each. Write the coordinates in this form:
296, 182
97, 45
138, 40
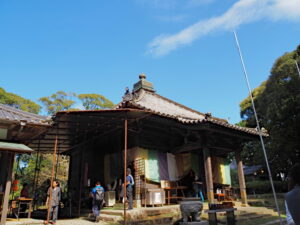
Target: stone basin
191, 209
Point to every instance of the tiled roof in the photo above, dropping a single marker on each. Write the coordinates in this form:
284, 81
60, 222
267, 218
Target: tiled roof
154, 103
12, 114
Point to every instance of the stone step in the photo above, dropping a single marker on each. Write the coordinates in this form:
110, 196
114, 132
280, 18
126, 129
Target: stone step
144, 212
248, 214
255, 216
112, 212
110, 218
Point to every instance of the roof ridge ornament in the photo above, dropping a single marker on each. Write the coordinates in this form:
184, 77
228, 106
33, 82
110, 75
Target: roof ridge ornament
143, 84
142, 76
127, 96
208, 115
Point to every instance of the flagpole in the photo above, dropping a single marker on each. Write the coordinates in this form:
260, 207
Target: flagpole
258, 126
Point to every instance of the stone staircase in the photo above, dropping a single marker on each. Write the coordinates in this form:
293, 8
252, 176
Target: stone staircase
158, 215
169, 214
246, 214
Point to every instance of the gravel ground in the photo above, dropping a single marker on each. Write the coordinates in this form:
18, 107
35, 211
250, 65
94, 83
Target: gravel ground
78, 222
59, 222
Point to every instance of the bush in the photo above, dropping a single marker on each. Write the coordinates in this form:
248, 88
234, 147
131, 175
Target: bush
264, 186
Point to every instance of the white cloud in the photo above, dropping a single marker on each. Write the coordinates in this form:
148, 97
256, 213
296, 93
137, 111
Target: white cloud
242, 12
285, 9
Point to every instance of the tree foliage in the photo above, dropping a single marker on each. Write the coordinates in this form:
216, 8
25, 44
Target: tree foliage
59, 101
25, 166
277, 102
27, 172
16, 100
62, 101
95, 101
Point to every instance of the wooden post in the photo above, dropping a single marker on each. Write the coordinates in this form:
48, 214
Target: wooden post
125, 167
7, 188
35, 178
208, 175
80, 181
241, 178
52, 178
36, 168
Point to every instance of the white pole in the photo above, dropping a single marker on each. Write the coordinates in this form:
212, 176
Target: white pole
297, 67
258, 126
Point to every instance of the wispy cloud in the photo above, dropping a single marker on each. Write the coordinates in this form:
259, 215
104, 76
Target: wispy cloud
242, 12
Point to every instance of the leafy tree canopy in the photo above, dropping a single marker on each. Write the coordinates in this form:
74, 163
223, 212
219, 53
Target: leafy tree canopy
277, 102
62, 101
59, 101
16, 100
95, 101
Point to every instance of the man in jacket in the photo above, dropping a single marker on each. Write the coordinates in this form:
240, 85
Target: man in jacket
129, 188
97, 194
55, 199
292, 198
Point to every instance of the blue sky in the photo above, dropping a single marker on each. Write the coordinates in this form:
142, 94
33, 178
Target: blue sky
185, 47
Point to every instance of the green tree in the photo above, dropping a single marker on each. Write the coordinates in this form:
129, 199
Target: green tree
43, 172
16, 100
278, 105
246, 106
95, 101
59, 101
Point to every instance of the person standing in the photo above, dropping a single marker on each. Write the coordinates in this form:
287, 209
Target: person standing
25, 192
55, 199
98, 200
189, 182
129, 188
292, 198
197, 185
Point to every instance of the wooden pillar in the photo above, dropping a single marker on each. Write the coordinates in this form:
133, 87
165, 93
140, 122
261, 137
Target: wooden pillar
7, 188
80, 179
4, 161
241, 176
208, 175
125, 166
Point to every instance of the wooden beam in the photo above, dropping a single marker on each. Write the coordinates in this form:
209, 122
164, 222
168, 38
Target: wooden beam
231, 132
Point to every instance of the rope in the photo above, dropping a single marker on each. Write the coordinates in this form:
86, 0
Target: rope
258, 126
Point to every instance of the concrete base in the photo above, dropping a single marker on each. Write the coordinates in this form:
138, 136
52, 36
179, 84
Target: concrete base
137, 203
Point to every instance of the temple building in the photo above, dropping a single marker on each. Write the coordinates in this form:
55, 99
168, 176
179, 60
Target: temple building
163, 142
